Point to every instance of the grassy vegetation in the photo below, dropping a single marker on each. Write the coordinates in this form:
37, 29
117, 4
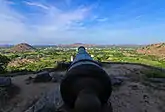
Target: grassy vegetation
47, 58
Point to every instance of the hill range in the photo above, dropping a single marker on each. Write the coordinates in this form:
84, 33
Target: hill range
153, 49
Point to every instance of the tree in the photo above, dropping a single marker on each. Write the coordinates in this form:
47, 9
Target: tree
4, 60
13, 56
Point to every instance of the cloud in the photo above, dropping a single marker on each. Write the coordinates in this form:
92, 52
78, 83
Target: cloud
11, 23
53, 24
58, 24
50, 24
36, 4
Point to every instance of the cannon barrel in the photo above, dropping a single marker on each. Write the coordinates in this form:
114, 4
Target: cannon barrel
85, 76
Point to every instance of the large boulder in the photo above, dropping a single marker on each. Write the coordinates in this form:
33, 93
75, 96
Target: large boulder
43, 77
5, 81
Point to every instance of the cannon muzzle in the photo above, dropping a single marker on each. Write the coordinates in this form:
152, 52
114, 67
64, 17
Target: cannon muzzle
85, 83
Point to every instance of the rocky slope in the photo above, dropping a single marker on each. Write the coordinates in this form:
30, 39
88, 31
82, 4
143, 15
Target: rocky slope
22, 47
153, 49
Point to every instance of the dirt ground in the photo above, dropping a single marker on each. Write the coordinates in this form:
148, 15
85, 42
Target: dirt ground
28, 94
135, 97
131, 96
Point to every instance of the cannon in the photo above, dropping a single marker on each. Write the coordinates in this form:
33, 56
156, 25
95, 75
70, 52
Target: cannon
86, 86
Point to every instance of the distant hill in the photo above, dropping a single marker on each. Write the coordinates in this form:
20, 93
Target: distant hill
153, 49
43, 46
27, 46
78, 45
5, 46
123, 46
95, 45
22, 47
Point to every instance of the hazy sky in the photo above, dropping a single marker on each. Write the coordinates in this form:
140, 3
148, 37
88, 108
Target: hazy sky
85, 21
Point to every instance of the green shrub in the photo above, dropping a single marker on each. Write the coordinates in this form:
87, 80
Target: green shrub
4, 60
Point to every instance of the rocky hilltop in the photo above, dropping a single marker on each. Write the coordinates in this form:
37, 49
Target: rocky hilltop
22, 47
132, 91
153, 49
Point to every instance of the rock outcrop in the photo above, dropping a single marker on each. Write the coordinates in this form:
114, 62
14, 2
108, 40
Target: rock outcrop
22, 47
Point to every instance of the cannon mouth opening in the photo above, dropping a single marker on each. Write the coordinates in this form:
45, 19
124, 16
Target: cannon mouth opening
87, 101
85, 76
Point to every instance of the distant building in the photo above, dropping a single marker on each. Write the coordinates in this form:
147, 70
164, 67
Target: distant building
92, 55
71, 58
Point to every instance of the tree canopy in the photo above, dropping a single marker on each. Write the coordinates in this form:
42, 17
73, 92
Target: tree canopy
4, 60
